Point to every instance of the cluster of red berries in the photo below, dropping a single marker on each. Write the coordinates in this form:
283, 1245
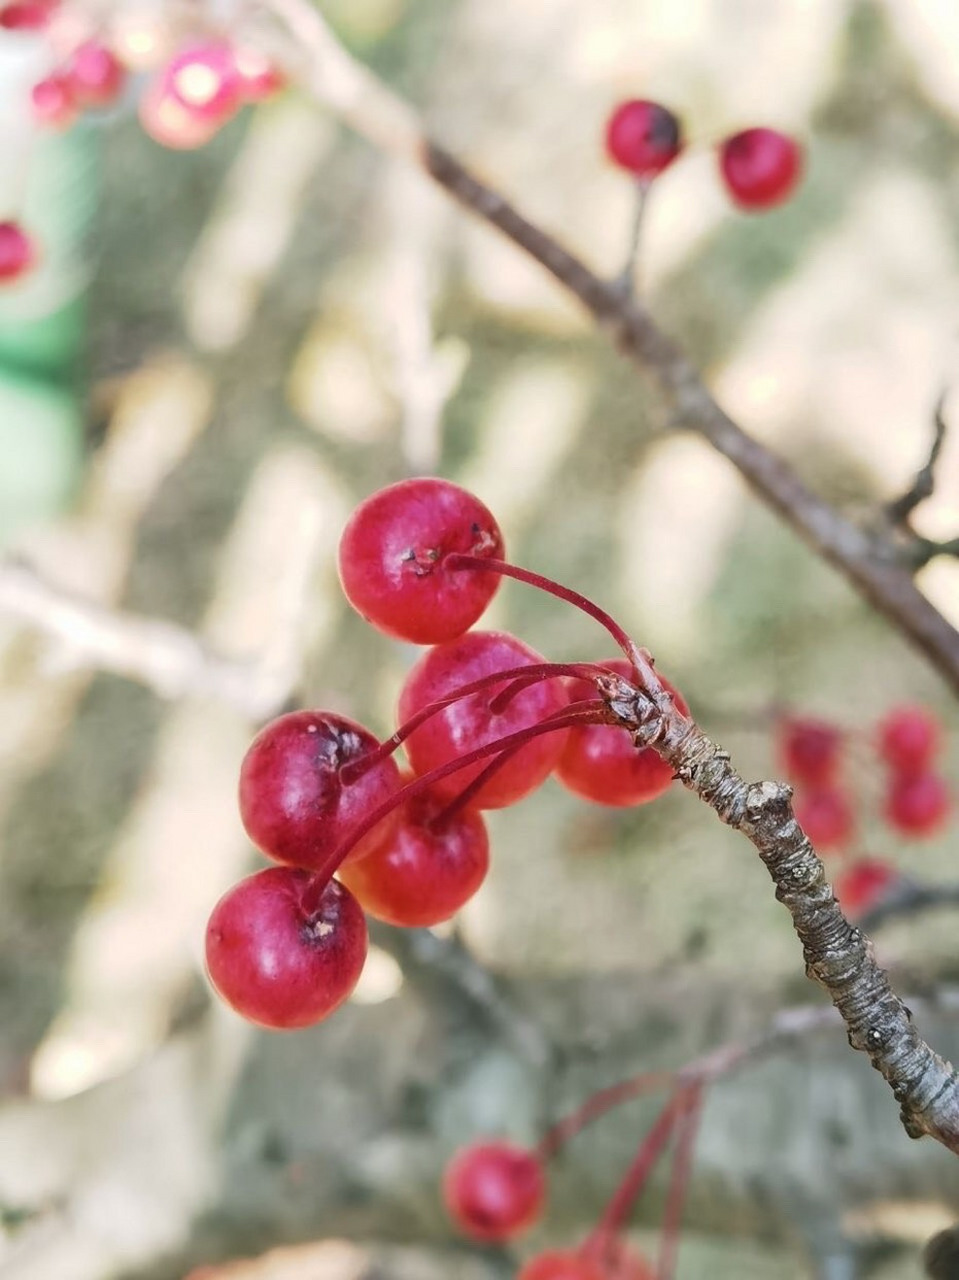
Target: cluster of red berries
759, 167
484, 720
189, 97
915, 800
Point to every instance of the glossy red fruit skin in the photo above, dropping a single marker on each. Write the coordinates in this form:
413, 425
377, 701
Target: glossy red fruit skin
760, 167
643, 137
863, 884
293, 803
391, 559
494, 1190
469, 723
826, 816
426, 870
909, 739
600, 763
17, 252
561, 1264
167, 121
810, 750
95, 75
275, 964
203, 78
917, 804
53, 103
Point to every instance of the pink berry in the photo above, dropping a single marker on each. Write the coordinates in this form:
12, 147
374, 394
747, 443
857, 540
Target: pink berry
643, 137
826, 816
494, 1190
392, 559
473, 722
810, 750
561, 1264
276, 960
428, 868
95, 75
295, 802
203, 78
863, 885
600, 762
53, 103
259, 77
17, 252
917, 804
25, 15
167, 121
760, 167
909, 739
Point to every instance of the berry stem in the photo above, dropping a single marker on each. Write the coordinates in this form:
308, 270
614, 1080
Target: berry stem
456, 560
596, 1106
314, 890
530, 674
679, 1180
626, 280
635, 1177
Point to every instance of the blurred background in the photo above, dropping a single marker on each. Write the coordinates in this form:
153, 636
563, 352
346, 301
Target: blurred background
223, 352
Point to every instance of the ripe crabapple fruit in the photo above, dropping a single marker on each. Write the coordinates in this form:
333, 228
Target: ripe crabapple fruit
643, 137
94, 74
494, 1190
17, 252
826, 816
294, 801
863, 884
561, 1264
278, 960
52, 102
809, 749
916, 803
909, 739
760, 167
392, 559
203, 78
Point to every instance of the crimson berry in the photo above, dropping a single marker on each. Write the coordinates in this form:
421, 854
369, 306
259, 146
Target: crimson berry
203, 78
17, 252
428, 868
494, 1190
296, 802
25, 15
826, 816
95, 74
643, 137
276, 958
810, 750
917, 804
53, 103
392, 559
259, 77
561, 1264
909, 739
600, 762
479, 719
863, 884
760, 167
167, 121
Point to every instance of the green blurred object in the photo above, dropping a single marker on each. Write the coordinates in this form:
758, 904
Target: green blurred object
50, 184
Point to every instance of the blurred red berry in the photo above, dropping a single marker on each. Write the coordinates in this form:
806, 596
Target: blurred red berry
204, 79
494, 1190
94, 74
643, 137
909, 738
809, 750
826, 816
17, 252
760, 167
561, 1264
917, 804
864, 884
52, 102
25, 15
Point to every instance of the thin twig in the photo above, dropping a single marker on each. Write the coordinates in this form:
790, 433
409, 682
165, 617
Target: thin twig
867, 559
899, 511
905, 898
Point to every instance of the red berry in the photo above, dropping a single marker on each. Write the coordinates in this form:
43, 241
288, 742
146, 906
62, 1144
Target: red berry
95, 75
259, 77
826, 816
561, 1264
620, 1263
863, 884
294, 803
277, 962
17, 252
494, 1190
471, 722
392, 559
53, 103
643, 137
428, 868
917, 803
909, 739
204, 80
810, 750
760, 167
167, 121
25, 15
600, 762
